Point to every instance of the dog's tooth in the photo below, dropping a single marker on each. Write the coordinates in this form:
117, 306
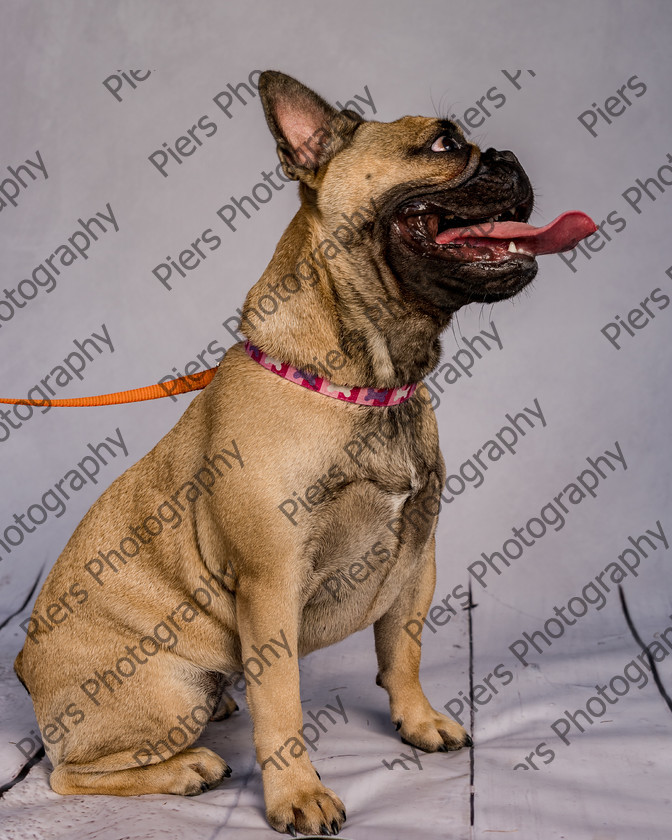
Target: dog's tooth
512, 247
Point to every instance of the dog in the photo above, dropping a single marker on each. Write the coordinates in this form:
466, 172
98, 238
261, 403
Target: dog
314, 446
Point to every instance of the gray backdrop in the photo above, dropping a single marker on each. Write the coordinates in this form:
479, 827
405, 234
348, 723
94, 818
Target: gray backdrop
580, 92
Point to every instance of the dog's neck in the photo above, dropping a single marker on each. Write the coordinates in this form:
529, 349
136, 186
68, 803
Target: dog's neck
350, 331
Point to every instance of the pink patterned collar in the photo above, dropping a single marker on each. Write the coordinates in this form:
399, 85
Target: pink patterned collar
361, 396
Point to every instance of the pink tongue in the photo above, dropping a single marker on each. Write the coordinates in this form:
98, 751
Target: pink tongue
561, 234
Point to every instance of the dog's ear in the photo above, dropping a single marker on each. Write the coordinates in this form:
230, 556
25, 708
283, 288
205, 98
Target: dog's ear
308, 131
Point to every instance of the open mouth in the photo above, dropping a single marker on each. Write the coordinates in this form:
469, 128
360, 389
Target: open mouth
499, 238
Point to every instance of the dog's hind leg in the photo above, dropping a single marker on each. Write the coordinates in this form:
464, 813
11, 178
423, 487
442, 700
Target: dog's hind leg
137, 738
399, 667
188, 773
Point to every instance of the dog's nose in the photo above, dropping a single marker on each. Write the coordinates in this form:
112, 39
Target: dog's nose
494, 155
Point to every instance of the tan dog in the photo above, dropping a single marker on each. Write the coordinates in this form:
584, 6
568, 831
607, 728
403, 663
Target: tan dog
228, 535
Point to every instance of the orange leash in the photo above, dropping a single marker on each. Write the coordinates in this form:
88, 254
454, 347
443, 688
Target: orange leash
184, 384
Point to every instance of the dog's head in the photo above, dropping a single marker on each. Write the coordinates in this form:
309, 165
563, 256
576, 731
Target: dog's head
449, 220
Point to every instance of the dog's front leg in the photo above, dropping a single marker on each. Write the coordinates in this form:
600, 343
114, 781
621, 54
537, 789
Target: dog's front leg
399, 667
268, 613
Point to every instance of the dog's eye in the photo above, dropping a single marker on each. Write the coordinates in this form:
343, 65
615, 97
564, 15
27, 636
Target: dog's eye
446, 144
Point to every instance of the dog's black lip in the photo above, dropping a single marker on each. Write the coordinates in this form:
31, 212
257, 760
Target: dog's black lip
490, 282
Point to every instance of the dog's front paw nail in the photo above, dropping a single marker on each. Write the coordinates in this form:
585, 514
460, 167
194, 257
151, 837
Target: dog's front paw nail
309, 808
291, 830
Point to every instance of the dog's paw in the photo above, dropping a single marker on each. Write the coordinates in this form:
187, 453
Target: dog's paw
225, 708
313, 809
201, 770
432, 732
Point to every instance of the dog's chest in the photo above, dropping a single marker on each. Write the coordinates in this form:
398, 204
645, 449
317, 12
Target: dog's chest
367, 544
